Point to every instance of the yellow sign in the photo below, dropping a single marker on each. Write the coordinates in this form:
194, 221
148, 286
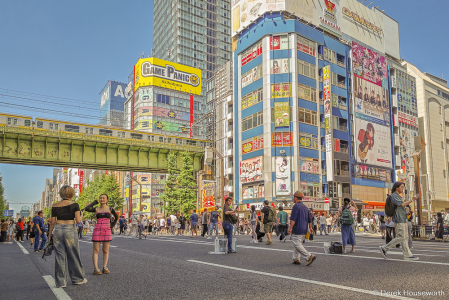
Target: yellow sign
157, 72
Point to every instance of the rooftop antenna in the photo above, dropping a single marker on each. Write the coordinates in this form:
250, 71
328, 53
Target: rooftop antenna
363, 1
369, 4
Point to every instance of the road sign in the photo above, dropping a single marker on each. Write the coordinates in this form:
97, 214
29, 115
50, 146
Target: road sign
8, 213
25, 208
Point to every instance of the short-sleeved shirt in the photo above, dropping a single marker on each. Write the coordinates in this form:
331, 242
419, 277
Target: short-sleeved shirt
301, 216
4, 226
122, 222
38, 221
162, 222
194, 218
225, 209
214, 216
282, 216
400, 216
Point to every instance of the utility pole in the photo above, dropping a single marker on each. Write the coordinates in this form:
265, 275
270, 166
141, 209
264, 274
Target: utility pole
419, 147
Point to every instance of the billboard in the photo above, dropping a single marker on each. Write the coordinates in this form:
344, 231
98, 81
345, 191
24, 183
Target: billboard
208, 194
282, 114
373, 173
369, 65
157, 72
253, 144
283, 176
251, 169
372, 101
162, 125
406, 93
281, 139
252, 75
328, 123
280, 66
407, 148
309, 165
373, 143
281, 90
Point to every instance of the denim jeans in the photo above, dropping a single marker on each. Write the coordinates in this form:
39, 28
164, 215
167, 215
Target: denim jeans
322, 228
67, 251
43, 238
227, 228
212, 227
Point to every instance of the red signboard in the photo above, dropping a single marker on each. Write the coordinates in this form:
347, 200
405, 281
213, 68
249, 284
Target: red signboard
81, 173
252, 55
275, 43
279, 139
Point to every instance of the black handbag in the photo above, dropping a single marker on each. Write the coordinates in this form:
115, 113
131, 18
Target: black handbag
48, 249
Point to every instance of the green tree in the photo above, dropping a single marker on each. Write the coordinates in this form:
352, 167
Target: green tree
186, 184
2, 199
101, 185
47, 212
170, 197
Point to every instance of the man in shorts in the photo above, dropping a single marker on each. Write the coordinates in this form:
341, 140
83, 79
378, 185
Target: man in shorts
162, 224
194, 222
267, 222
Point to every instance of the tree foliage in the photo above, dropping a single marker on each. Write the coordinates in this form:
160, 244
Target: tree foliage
180, 186
101, 185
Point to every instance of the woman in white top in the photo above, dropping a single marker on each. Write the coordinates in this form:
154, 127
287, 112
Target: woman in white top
365, 222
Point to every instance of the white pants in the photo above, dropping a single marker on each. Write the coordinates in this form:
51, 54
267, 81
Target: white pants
299, 248
400, 237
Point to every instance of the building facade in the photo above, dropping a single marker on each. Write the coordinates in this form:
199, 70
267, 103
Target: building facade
432, 95
303, 123
113, 97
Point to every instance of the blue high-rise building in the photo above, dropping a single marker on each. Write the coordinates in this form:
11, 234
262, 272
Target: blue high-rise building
113, 99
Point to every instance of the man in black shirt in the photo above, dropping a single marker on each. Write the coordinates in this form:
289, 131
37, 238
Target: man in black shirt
268, 221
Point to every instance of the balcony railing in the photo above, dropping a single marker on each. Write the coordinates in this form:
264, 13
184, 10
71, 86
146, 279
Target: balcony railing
343, 128
344, 107
344, 149
343, 173
230, 127
322, 125
341, 63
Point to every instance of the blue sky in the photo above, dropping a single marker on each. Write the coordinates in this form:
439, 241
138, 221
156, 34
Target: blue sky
70, 49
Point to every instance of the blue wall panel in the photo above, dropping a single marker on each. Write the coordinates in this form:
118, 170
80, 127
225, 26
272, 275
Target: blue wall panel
252, 155
276, 151
252, 133
280, 54
287, 128
307, 104
252, 109
309, 177
341, 135
306, 57
307, 81
339, 113
305, 152
278, 78
308, 128
255, 62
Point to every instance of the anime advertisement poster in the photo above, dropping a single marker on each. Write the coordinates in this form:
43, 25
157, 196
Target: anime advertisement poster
282, 114
283, 176
308, 165
254, 144
373, 143
407, 148
369, 65
371, 100
208, 194
374, 173
252, 75
280, 66
251, 169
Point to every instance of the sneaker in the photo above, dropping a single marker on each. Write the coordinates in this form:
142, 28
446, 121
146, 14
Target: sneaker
311, 260
352, 251
256, 241
97, 272
344, 251
209, 238
296, 262
269, 243
21, 241
231, 251
252, 241
82, 282
383, 252
260, 240
62, 286
411, 258
106, 271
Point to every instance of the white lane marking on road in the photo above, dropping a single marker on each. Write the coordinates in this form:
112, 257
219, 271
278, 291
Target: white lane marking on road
90, 242
25, 251
59, 292
331, 285
320, 253
362, 249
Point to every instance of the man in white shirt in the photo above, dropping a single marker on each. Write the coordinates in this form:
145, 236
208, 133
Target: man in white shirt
446, 218
172, 225
134, 222
144, 223
162, 224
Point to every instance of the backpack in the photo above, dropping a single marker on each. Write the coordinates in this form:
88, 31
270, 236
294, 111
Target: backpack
272, 215
346, 217
390, 207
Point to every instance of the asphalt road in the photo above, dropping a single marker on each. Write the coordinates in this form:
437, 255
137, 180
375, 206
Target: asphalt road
170, 267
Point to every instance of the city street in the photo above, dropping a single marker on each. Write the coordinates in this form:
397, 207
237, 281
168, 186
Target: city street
170, 267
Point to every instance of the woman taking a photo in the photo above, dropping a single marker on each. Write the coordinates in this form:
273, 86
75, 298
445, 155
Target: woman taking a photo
64, 214
102, 232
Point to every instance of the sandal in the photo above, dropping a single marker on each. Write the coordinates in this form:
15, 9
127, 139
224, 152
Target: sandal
97, 272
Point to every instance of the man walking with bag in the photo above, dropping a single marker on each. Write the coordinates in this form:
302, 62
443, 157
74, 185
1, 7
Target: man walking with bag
395, 206
300, 222
268, 220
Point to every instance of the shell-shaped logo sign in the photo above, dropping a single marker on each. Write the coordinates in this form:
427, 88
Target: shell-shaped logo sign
194, 80
159, 125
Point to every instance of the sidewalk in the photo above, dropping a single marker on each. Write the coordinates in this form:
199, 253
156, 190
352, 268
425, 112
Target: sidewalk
21, 279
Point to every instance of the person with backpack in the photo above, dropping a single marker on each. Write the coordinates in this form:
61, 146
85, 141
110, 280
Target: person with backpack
345, 213
395, 207
268, 220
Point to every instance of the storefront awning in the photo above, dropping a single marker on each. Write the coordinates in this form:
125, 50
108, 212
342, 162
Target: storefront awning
374, 203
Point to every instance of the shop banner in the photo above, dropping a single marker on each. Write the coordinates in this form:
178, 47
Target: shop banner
254, 144
281, 90
328, 123
369, 65
372, 101
255, 52
280, 66
208, 193
407, 148
281, 139
283, 176
251, 170
81, 173
282, 114
252, 75
373, 173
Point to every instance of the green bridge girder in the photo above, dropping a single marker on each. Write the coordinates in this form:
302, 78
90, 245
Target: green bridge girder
28, 146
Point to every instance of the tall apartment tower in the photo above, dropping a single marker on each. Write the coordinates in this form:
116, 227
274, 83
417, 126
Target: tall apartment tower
195, 33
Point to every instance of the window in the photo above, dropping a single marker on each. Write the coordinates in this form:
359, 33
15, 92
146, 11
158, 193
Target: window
9, 121
89, 130
309, 165
307, 140
51, 125
444, 173
334, 80
310, 189
307, 93
15, 121
39, 124
253, 191
121, 134
252, 121
307, 116
305, 46
105, 132
330, 55
136, 136
28, 123
306, 69
72, 128
252, 98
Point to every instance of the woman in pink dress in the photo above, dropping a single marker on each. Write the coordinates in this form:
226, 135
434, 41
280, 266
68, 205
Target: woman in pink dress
102, 232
